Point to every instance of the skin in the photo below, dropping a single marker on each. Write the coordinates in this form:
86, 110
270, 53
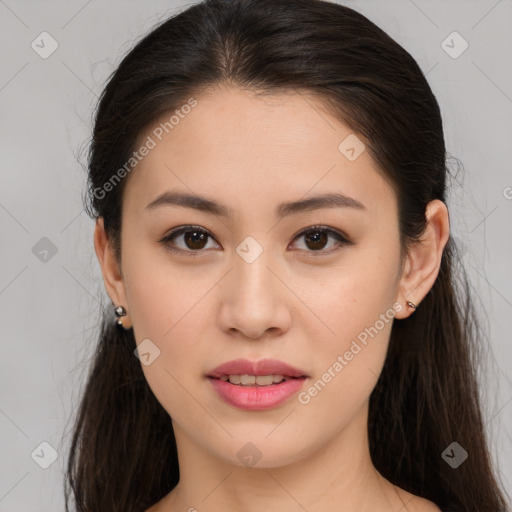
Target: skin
251, 153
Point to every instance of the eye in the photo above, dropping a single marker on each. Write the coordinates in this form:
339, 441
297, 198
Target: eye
193, 236
316, 238
195, 239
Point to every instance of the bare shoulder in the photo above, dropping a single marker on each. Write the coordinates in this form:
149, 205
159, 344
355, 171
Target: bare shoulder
422, 505
413, 503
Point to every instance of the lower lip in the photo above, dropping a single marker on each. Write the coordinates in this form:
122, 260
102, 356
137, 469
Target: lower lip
256, 398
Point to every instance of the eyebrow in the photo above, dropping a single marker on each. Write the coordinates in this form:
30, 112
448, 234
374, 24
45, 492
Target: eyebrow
203, 204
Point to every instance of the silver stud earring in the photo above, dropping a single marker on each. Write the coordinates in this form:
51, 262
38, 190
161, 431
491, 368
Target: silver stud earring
411, 305
119, 311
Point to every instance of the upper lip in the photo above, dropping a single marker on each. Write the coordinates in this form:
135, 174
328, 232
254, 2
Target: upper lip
261, 367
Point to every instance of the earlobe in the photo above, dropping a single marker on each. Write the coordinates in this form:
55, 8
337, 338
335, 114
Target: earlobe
424, 258
406, 297
112, 277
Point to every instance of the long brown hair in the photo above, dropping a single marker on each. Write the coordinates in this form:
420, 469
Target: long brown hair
123, 453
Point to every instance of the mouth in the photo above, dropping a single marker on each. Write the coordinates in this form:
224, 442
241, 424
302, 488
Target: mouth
256, 392
256, 385
246, 380
247, 373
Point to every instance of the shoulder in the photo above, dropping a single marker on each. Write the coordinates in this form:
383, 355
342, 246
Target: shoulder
422, 505
413, 503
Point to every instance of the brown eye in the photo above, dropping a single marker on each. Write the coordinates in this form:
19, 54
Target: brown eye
316, 238
194, 240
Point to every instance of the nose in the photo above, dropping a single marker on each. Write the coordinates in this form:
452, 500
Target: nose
255, 299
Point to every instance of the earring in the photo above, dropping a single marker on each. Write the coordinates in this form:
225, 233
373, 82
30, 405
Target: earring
119, 311
411, 305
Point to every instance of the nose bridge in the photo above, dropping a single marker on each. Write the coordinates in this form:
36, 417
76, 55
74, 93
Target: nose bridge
252, 302
253, 279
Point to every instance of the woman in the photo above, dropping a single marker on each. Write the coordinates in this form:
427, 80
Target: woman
268, 183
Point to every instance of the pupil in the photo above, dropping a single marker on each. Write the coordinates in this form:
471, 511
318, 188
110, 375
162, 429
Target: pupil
195, 236
315, 239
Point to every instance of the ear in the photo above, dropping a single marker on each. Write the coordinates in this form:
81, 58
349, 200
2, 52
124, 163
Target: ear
112, 276
424, 259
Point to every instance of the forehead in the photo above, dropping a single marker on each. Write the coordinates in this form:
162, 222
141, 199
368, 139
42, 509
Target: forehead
243, 148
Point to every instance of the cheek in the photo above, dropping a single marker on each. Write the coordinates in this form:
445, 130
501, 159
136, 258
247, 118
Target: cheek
167, 310
348, 363
167, 307
356, 307
159, 294
358, 327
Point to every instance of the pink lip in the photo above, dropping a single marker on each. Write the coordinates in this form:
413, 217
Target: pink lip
261, 367
257, 397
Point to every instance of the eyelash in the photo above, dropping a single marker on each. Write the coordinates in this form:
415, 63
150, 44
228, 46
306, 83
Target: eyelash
342, 240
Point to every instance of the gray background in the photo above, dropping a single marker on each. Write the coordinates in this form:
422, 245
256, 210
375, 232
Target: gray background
50, 304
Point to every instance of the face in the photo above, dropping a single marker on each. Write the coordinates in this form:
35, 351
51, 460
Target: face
257, 284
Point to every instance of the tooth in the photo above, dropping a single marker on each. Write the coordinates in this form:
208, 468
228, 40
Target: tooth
234, 379
253, 380
264, 380
247, 379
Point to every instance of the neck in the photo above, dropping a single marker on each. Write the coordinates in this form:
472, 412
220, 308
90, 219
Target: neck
337, 475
